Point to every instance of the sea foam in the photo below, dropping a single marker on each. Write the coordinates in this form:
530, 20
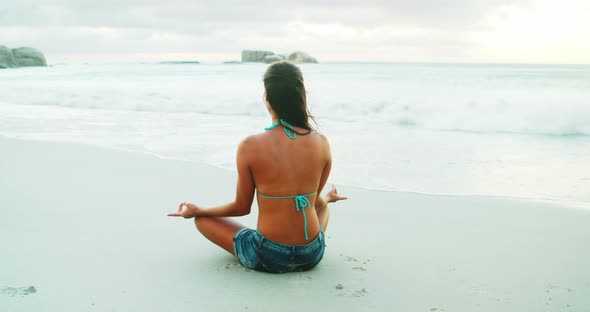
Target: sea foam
502, 130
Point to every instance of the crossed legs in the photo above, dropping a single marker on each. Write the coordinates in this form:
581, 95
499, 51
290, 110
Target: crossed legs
221, 231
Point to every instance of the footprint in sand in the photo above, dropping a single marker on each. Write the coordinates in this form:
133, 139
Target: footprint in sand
563, 290
18, 291
232, 267
354, 293
348, 258
359, 266
558, 295
356, 261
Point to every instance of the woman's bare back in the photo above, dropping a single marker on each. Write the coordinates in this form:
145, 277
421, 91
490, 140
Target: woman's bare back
281, 166
287, 171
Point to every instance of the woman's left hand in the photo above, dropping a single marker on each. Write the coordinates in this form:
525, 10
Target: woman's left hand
333, 196
186, 210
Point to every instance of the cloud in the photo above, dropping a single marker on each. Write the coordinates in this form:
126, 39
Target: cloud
379, 30
191, 15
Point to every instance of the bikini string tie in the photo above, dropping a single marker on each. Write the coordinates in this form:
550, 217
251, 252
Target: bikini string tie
286, 127
301, 202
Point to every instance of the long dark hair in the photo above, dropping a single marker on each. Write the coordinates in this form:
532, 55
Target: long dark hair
285, 92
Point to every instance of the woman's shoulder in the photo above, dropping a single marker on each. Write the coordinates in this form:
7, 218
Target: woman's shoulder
252, 139
323, 140
321, 136
248, 142
263, 138
252, 142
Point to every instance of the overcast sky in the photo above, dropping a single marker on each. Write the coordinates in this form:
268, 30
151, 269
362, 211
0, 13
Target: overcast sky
530, 31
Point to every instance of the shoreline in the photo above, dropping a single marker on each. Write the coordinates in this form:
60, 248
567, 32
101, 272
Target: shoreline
86, 227
445, 131
564, 203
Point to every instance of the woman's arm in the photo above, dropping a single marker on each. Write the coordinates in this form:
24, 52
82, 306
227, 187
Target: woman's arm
320, 201
244, 191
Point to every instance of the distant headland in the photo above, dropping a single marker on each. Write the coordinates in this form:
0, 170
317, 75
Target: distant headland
21, 57
261, 56
27, 56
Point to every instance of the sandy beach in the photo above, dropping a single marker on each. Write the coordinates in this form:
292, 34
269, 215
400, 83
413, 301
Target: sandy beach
84, 229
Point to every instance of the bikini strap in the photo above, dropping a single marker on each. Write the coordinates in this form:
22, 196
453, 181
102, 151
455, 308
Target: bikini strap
284, 197
301, 202
286, 127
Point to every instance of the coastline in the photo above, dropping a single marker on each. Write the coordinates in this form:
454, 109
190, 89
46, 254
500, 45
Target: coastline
444, 130
86, 227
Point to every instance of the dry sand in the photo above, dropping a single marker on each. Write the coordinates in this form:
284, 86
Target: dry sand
84, 229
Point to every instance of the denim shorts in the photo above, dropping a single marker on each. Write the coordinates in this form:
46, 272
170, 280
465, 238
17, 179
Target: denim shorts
259, 253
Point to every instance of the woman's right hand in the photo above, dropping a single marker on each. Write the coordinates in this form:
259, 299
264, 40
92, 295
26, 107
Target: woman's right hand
333, 196
186, 210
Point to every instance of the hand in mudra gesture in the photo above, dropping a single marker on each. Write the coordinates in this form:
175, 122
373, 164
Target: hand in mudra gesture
333, 196
186, 210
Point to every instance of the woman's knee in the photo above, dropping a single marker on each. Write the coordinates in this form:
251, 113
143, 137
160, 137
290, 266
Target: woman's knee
202, 222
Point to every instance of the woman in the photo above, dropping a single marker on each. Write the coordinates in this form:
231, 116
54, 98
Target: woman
288, 165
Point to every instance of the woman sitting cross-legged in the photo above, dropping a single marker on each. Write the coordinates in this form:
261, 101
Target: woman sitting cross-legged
287, 166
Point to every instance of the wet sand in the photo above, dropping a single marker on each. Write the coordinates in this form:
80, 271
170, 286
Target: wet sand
84, 229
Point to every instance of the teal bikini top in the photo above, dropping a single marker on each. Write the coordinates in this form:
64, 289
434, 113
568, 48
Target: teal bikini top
286, 126
301, 201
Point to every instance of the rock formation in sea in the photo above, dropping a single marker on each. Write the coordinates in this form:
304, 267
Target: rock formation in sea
301, 57
259, 56
6, 58
20, 57
272, 58
254, 55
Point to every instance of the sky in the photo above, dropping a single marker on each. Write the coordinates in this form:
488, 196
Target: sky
470, 31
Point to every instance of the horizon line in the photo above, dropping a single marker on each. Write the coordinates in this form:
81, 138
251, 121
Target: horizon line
234, 62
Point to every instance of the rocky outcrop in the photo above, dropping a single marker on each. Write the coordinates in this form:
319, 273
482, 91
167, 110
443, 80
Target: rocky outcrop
268, 57
273, 58
21, 57
254, 55
301, 57
6, 58
26, 56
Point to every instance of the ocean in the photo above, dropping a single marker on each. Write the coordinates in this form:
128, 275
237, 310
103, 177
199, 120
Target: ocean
519, 131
